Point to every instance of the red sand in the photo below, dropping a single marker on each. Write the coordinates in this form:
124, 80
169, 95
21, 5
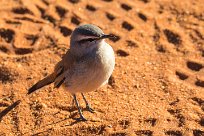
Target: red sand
157, 87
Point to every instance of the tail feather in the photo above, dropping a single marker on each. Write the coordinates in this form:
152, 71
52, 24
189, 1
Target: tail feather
46, 81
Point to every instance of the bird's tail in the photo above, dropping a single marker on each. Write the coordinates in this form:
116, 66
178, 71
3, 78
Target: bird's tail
46, 81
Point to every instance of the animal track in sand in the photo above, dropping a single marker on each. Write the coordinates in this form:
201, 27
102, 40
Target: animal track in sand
177, 114
7, 75
45, 2
156, 39
197, 132
122, 53
199, 101
151, 121
110, 16
160, 48
74, 1
119, 134
172, 37
65, 31
21, 10
131, 43
173, 133
49, 18
16, 121
108, 0
145, 1
142, 16
124, 123
26, 41
3, 104
144, 133
28, 19
125, 7
75, 20
97, 130
199, 83
7, 34
61, 11
194, 68
91, 8
22, 51
201, 122
127, 26
32, 38
36, 109
13, 22
181, 75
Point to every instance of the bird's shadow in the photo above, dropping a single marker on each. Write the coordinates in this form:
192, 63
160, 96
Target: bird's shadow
9, 108
49, 129
72, 116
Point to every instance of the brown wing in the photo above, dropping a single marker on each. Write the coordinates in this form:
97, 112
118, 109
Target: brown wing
58, 75
67, 62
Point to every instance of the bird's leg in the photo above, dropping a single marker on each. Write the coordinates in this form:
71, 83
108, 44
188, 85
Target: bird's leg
82, 118
73, 102
87, 104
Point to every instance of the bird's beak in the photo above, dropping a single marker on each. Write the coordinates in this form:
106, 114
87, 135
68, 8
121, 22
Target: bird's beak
107, 36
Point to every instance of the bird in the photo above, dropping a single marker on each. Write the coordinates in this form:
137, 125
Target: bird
86, 66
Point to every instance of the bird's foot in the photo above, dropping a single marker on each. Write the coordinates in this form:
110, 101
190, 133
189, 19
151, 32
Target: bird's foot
88, 107
81, 118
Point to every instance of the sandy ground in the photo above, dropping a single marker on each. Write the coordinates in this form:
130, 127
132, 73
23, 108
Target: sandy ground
157, 87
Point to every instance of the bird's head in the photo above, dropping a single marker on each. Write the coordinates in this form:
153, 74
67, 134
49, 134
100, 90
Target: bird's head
86, 37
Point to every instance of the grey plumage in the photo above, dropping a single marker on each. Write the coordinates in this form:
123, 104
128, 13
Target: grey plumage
88, 30
85, 67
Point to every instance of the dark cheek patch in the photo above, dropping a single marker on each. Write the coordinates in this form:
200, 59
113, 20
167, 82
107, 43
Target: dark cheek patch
87, 40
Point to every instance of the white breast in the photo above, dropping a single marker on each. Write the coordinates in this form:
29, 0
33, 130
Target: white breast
93, 73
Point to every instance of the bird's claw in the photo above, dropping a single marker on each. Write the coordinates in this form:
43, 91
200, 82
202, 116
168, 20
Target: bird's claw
81, 118
89, 109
